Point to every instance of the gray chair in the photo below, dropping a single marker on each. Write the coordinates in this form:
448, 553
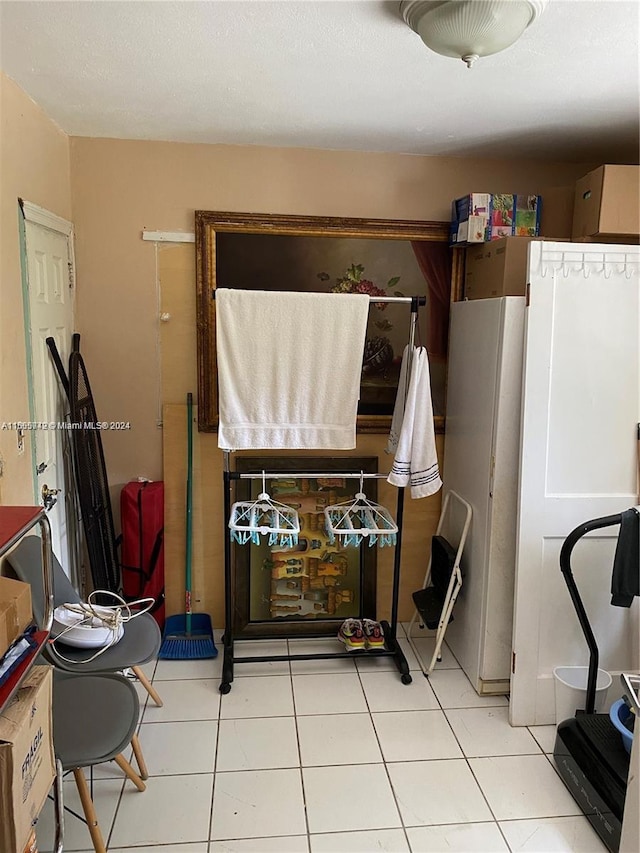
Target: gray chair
139, 644
95, 717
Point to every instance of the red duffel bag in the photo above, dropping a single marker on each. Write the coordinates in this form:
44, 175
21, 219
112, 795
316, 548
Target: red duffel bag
142, 520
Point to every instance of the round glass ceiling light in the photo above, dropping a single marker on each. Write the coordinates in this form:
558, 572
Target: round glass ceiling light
469, 29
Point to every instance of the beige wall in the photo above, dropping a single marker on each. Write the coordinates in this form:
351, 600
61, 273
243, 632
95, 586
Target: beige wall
35, 166
177, 271
114, 189
121, 187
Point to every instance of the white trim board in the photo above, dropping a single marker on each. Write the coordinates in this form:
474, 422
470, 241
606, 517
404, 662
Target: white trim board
169, 236
40, 216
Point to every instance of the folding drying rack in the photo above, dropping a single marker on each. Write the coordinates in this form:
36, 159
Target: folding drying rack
392, 647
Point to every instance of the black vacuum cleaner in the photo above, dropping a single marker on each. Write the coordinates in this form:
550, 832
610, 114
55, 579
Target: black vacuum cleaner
589, 752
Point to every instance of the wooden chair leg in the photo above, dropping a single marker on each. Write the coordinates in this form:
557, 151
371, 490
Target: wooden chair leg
89, 811
137, 751
142, 678
129, 772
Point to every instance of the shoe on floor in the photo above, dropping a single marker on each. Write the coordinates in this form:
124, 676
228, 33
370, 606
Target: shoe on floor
351, 634
373, 634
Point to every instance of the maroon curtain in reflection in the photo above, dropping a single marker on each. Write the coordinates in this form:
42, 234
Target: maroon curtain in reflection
434, 260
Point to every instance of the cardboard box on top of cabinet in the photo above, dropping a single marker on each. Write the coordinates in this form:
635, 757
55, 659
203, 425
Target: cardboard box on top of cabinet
556, 216
498, 268
15, 611
482, 217
27, 764
607, 205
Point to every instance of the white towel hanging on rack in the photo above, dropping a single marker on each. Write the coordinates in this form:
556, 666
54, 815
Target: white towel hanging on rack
289, 367
414, 442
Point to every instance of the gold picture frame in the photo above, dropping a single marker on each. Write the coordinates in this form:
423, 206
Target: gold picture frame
210, 224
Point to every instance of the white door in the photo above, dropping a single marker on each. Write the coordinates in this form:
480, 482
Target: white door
581, 408
50, 314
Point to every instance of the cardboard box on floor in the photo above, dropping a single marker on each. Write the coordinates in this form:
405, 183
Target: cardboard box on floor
496, 269
27, 765
15, 611
607, 205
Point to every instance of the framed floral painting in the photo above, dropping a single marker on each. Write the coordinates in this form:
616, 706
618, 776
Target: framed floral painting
375, 257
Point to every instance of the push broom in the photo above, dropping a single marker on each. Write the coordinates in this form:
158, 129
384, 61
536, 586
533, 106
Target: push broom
188, 636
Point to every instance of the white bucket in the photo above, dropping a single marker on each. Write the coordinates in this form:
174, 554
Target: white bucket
571, 690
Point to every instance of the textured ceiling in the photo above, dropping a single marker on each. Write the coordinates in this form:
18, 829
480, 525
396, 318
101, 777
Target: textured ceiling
325, 74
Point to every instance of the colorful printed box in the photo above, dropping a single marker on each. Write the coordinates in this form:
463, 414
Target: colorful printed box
482, 217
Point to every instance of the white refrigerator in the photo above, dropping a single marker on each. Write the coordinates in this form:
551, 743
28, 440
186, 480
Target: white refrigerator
484, 390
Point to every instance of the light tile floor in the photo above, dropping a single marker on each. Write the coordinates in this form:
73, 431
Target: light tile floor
330, 757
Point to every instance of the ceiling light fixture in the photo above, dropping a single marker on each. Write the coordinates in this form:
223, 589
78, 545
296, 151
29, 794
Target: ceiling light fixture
469, 29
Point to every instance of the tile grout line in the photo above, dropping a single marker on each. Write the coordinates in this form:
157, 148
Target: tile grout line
473, 775
142, 712
384, 762
215, 763
540, 750
442, 709
295, 722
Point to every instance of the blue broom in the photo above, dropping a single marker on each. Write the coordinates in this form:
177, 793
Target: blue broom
188, 636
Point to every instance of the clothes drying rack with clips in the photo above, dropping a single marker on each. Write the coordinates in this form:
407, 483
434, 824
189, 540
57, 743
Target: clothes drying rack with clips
391, 647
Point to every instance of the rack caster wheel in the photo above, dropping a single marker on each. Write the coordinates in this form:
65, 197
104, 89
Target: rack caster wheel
224, 688
406, 679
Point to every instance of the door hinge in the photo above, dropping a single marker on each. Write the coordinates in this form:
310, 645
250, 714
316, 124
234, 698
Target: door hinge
513, 663
71, 276
527, 300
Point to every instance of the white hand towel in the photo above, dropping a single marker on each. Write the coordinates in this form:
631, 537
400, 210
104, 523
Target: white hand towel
289, 368
416, 461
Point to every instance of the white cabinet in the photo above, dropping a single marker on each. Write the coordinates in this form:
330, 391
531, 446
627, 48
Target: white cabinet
543, 406
480, 463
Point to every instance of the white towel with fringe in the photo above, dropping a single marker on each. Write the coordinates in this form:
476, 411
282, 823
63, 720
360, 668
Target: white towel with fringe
289, 366
412, 436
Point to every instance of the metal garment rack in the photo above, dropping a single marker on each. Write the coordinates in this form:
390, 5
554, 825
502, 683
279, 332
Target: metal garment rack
392, 646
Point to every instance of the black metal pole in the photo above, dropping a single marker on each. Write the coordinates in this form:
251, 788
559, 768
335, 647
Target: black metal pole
565, 568
396, 563
228, 609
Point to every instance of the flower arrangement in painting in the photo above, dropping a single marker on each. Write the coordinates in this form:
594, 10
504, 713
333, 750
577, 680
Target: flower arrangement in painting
378, 352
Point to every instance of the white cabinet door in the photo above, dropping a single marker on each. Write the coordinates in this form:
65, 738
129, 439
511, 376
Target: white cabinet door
581, 408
